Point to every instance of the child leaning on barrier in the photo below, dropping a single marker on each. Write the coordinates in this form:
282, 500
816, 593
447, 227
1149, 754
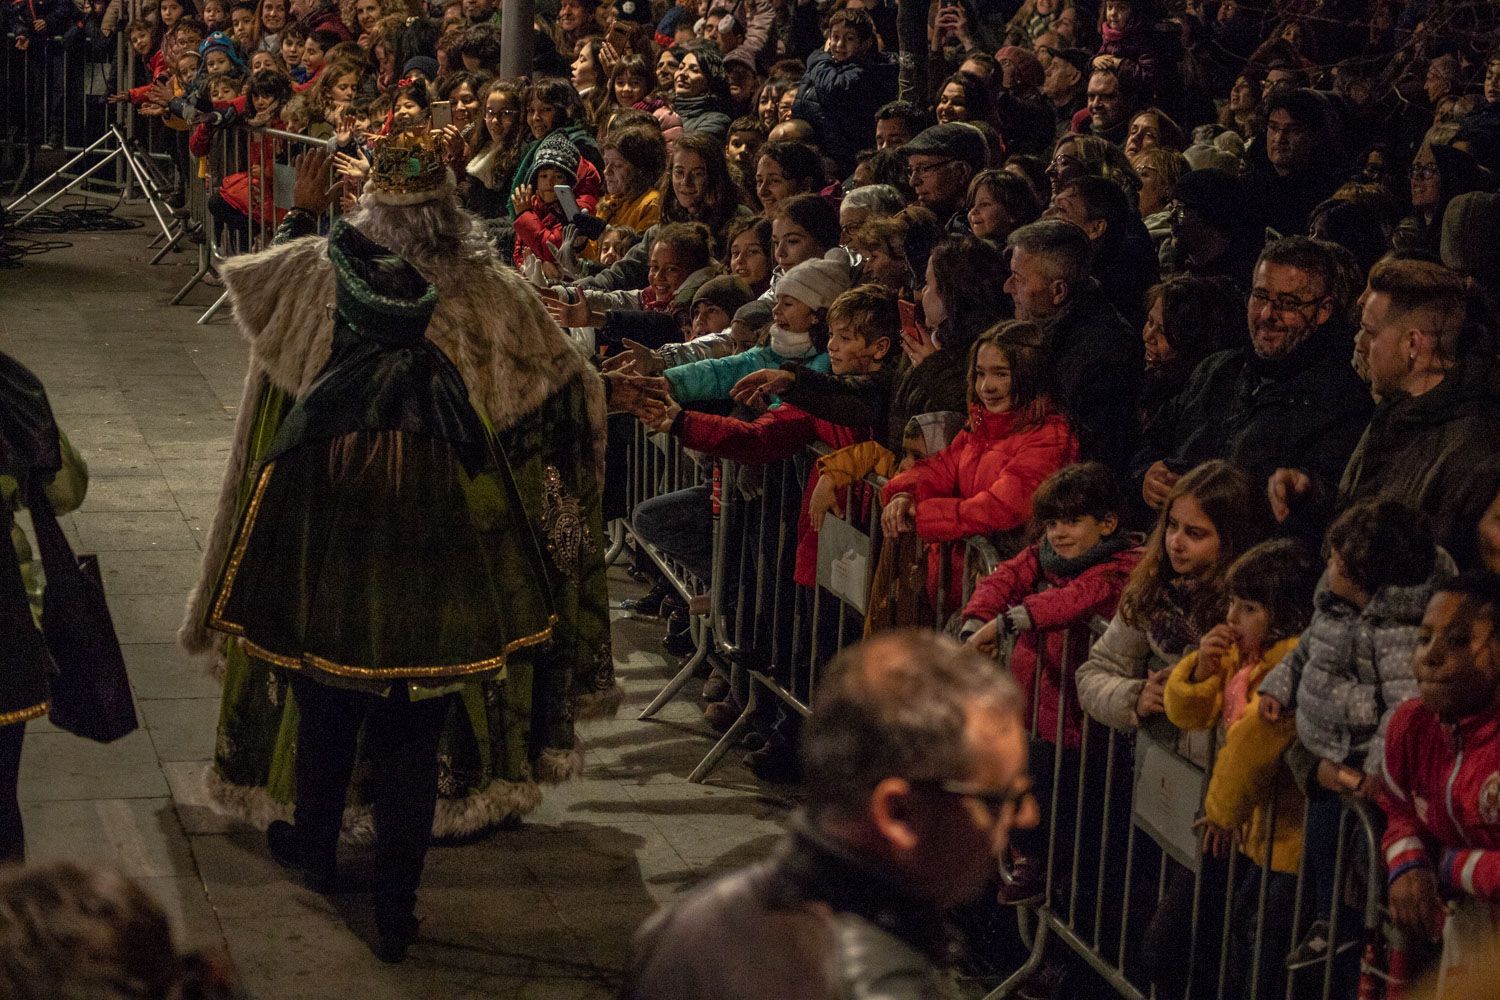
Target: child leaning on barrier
1440, 791
1252, 801
1045, 598
983, 482
1351, 671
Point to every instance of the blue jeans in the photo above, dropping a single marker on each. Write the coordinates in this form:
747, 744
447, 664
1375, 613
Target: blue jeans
680, 525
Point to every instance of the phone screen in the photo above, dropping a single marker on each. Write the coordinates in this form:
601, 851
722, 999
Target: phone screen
566, 200
442, 114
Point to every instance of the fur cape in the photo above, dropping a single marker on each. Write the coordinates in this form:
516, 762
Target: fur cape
488, 321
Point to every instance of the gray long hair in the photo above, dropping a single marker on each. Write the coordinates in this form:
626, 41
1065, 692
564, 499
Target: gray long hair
432, 235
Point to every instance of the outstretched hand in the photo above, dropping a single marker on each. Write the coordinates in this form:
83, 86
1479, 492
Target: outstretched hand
312, 192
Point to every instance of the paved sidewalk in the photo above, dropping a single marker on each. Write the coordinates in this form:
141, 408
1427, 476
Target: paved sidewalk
543, 911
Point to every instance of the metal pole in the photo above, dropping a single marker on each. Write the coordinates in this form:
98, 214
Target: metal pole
516, 25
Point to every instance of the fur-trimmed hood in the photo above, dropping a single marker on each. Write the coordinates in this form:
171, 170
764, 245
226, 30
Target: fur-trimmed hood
488, 321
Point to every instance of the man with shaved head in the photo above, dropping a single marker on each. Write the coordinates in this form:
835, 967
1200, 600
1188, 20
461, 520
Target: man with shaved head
915, 773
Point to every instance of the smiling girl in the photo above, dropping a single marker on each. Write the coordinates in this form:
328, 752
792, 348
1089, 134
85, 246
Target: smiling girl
982, 483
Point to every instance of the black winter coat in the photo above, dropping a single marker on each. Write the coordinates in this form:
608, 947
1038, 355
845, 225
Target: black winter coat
839, 101
1423, 450
1305, 411
1097, 360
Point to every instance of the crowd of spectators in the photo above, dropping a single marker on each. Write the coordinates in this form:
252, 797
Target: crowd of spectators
1192, 308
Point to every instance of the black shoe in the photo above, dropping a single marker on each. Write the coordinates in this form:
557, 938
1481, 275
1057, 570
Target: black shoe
649, 604
289, 852
679, 640
394, 933
775, 763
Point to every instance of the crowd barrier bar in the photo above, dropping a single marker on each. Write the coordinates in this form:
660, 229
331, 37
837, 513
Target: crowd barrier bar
263, 163
781, 639
56, 93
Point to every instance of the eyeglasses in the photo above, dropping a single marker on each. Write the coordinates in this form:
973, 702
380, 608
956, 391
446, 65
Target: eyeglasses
915, 172
1424, 171
491, 115
1283, 303
1000, 803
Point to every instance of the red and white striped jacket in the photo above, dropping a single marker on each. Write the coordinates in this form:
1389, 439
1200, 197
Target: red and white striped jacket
1442, 799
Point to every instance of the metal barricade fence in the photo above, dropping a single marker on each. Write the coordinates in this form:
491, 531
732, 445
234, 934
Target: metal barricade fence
57, 100
1125, 887
240, 193
1124, 818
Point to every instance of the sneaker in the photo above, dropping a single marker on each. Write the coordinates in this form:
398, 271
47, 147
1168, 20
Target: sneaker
289, 852
1021, 885
679, 639
1314, 947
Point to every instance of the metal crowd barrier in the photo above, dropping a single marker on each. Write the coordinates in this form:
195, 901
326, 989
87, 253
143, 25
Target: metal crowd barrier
239, 195
55, 100
1120, 809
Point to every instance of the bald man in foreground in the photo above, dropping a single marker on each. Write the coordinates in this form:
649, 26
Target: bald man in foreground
915, 773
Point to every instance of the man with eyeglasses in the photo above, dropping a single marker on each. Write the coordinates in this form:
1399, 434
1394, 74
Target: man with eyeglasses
939, 164
915, 773
1301, 164
1288, 398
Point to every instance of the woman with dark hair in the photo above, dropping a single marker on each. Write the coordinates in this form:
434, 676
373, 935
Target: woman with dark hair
552, 105
965, 97
1242, 112
589, 78
888, 247
962, 295
697, 187
497, 147
784, 169
1187, 319
1439, 174
700, 91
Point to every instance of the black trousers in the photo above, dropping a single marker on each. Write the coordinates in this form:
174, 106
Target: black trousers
12, 837
400, 743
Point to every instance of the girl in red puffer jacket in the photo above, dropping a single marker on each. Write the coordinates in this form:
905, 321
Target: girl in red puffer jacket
982, 483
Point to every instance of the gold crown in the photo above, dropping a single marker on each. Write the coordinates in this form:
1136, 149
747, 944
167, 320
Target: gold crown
407, 162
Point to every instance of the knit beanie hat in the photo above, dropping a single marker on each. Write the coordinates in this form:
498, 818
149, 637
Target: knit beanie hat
220, 41
555, 151
725, 291
756, 315
1468, 243
815, 283
426, 65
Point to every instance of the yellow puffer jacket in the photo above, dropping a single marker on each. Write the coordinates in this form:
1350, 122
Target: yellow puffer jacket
1249, 780
856, 461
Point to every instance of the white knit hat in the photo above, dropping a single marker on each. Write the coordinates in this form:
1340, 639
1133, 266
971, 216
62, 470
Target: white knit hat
815, 283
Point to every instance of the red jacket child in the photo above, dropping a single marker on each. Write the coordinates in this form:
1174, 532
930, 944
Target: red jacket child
542, 223
776, 434
1059, 607
1442, 799
982, 483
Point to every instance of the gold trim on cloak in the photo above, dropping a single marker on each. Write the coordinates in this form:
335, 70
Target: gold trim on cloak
25, 714
308, 660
